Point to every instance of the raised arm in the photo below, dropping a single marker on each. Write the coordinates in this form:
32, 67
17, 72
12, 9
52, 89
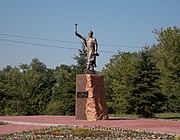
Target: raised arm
80, 36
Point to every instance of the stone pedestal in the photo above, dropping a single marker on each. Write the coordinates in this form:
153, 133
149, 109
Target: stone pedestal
90, 98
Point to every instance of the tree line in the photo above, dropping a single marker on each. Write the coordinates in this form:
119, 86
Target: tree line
142, 83
148, 81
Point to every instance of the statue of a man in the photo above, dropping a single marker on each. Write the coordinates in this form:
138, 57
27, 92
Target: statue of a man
92, 46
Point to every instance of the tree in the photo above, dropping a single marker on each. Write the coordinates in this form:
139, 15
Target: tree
40, 82
144, 96
3, 89
167, 53
12, 90
26, 90
62, 100
81, 59
116, 73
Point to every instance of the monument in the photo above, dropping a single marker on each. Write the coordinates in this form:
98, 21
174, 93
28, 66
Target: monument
92, 46
90, 95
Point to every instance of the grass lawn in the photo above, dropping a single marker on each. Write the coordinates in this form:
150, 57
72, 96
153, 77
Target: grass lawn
166, 116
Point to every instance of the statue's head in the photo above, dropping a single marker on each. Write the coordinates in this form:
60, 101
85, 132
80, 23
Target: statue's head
90, 33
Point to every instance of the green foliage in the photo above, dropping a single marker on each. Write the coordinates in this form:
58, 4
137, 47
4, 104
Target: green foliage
35, 89
27, 89
63, 92
116, 73
143, 83
64, 106
168, 116
81, 59
167, 53
148, 81
144, 95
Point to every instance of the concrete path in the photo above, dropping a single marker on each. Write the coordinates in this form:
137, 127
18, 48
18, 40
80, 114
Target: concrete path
26, 123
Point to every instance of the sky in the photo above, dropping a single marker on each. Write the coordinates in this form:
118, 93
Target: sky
44, 29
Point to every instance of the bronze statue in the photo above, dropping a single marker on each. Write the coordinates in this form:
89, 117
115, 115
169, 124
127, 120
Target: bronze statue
92, 46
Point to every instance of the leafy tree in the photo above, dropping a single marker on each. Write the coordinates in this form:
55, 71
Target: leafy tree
26, 90
38, 66
65, 105
12, 89
3, 90
63, 93
167, 52
40, 80
144, 96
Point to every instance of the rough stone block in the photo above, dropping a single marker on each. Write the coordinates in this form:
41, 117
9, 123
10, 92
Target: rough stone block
90, 97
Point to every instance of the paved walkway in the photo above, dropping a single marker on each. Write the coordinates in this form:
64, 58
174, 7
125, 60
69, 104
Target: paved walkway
26, 123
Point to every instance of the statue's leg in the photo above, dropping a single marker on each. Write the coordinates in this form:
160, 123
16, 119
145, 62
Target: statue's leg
91, 66
94, 63
88, 59
88, 66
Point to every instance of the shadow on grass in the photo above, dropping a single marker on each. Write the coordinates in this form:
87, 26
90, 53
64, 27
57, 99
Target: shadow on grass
121, 118
168, 118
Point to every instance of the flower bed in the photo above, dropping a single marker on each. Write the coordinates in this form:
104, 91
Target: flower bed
86, 133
